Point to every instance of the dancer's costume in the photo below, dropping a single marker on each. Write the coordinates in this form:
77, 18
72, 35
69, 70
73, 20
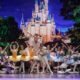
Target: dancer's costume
14, 56
57, 57
31, 51
48, 55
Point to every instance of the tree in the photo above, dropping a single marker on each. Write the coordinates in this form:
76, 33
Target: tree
71, 11
9, 30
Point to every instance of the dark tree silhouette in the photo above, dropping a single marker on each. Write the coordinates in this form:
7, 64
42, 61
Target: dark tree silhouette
71, 11
9, 30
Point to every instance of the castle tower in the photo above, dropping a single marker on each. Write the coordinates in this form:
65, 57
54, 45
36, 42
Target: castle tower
46, 7
54, 25
23, 25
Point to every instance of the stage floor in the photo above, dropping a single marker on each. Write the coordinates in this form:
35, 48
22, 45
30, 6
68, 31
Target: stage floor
39, 76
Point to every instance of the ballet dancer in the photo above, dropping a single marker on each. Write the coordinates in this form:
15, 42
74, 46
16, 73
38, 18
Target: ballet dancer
14, 50
14, 57
44, 60
23, 58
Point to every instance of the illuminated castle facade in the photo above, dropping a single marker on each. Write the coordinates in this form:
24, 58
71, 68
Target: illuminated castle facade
41, 23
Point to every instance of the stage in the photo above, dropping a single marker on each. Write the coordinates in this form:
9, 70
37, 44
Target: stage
39, 76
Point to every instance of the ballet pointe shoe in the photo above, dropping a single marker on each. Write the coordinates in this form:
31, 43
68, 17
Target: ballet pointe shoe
43, 72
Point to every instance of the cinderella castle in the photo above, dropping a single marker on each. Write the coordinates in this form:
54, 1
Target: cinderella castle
41, 23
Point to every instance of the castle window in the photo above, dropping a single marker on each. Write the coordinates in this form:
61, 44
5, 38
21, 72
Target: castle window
33, 25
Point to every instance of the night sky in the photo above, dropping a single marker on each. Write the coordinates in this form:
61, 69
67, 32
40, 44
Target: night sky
17, 7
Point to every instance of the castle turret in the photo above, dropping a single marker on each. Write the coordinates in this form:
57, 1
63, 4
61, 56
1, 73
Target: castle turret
46, 8
53, 25
42, 5
36, 6
22, 25
46, 5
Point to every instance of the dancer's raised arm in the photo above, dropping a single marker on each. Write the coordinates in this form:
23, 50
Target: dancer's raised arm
54, 46
77, 47
11, 45
66, 46
17, 45
5, 48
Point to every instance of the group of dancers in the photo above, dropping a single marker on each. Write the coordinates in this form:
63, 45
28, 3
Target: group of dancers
35, 56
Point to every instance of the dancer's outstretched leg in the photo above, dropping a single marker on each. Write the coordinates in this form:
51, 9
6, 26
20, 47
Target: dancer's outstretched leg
23, 67
48, 66
43, 67
37, 67
34, 66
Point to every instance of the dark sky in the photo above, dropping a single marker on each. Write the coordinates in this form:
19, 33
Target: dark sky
17, 7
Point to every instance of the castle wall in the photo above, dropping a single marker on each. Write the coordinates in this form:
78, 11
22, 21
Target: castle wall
44, 30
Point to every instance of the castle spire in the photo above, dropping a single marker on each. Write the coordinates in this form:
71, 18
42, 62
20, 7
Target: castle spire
46, 5
36, 1
36, 6
22, 22
46, 1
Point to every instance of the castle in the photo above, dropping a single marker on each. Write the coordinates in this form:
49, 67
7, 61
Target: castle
41, 23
